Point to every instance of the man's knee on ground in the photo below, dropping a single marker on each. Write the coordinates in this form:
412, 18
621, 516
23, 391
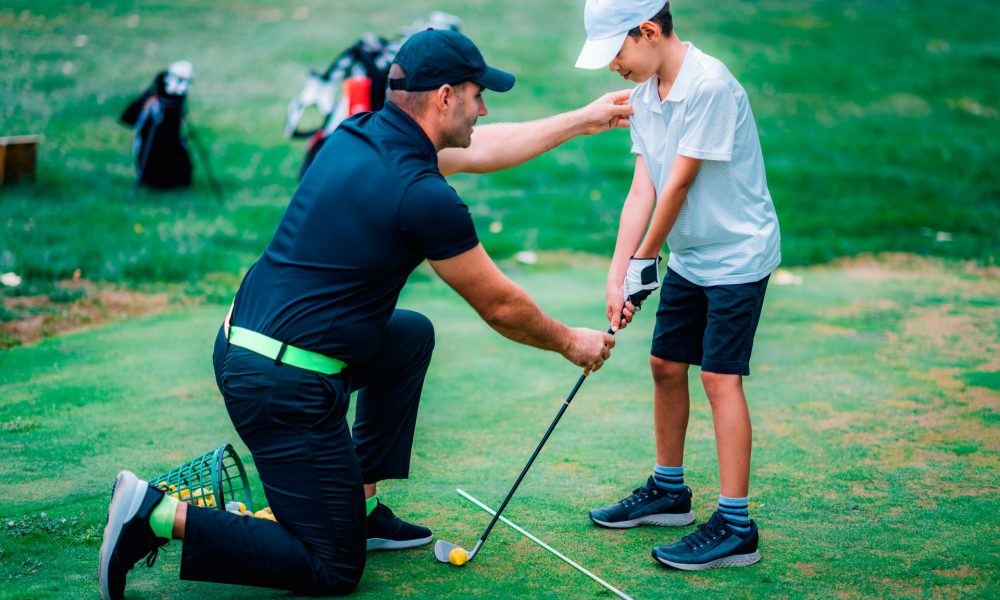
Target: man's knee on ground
668, 372
334, 582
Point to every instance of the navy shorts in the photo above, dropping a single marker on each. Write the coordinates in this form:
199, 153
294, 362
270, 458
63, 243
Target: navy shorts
709, 326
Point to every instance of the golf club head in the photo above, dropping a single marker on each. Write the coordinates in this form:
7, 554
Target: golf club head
442, 549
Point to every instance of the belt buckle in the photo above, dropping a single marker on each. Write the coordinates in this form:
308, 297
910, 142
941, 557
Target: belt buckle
281, 353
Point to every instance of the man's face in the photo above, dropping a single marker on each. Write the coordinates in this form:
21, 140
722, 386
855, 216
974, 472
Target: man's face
636, 61
469, 106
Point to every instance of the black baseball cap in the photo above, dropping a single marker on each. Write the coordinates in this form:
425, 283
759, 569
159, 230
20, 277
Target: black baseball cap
436, 57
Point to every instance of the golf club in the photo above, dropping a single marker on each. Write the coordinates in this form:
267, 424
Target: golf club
443, 549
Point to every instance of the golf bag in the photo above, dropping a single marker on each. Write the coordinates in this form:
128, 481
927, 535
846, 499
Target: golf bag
356, 81
162, 159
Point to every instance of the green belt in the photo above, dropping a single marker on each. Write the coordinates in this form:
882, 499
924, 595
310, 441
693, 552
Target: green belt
283, 353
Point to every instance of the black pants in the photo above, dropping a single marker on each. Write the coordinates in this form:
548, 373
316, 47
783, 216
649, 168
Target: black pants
312, 468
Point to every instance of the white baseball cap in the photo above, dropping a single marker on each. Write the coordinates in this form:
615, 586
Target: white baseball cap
607, 23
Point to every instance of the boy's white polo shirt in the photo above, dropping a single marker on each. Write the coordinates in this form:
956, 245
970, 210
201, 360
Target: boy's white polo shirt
727, 230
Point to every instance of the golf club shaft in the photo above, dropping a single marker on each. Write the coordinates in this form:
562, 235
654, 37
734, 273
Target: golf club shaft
562, 409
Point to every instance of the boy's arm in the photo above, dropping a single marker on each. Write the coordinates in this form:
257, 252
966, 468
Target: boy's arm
635, 217
503, 145
682, 174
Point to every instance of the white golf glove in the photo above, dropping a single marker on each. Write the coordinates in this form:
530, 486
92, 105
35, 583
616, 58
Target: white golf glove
642, 277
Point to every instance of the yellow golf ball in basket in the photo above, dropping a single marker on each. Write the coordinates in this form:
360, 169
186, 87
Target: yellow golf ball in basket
265, 513
458, 556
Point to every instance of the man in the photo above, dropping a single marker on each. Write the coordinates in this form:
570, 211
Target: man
315, 318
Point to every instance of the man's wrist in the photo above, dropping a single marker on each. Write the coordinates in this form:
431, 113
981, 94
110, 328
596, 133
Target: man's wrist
566, 340
576, 123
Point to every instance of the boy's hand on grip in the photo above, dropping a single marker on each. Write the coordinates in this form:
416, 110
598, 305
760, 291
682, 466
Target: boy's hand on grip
641, 279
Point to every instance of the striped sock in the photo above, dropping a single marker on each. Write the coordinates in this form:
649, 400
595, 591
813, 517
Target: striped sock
669, 479
736, 512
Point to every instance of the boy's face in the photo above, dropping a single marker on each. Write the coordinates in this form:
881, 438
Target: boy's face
636, 61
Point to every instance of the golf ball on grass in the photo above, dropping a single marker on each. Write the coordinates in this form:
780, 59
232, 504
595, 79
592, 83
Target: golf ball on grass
458, 556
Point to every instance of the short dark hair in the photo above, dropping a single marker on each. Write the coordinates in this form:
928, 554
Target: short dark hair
662, 18
413, 103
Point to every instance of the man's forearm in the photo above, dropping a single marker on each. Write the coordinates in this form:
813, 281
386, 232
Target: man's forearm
499, 146
504, 145
519, 319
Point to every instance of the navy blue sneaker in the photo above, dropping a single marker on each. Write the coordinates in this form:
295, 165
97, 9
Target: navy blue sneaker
386, 531
127, 536
648, 505
712, 546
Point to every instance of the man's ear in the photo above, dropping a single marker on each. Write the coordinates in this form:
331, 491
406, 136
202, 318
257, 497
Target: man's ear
444, 97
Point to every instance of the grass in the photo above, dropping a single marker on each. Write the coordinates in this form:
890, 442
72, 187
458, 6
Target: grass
878, 122
875, 470
875, 386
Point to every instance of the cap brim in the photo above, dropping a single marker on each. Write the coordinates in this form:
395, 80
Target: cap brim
495, 80
597, 54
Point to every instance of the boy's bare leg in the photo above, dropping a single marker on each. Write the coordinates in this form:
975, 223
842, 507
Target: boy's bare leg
671, 407
667, 504
732, 431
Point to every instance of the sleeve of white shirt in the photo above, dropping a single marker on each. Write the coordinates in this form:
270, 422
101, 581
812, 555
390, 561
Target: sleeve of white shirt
632, 128
709, 122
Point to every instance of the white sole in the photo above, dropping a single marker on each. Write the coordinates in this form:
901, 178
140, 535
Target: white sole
126, 498
662, 520
383, 544
737, 560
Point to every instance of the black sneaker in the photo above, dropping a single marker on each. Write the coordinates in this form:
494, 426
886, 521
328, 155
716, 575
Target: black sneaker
386, 531
127, 536
647, 505
712, 546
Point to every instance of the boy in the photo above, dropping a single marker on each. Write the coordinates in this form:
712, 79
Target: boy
699, 184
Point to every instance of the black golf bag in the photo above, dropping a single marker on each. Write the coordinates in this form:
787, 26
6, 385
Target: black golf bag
356, 81
162, 159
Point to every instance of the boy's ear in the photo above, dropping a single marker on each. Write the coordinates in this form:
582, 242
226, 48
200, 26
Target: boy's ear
650, 31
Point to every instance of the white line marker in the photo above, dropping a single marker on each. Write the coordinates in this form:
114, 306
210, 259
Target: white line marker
617, 592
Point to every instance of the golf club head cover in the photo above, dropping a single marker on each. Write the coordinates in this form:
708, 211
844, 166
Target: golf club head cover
641, 279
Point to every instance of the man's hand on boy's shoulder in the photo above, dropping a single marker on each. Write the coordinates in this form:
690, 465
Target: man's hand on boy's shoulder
610, 111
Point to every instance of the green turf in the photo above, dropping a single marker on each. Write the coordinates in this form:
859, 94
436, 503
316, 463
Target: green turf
875, 460
875, 390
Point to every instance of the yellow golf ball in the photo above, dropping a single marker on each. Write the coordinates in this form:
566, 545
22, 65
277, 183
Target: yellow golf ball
458, 556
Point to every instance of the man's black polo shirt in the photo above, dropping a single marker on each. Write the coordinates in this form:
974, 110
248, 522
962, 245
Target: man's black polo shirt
370, 208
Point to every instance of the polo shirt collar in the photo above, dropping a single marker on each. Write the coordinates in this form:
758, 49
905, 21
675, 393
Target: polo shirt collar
685, 77
403, 122
683, 82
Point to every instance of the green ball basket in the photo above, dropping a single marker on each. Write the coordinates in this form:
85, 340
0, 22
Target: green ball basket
210, 481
